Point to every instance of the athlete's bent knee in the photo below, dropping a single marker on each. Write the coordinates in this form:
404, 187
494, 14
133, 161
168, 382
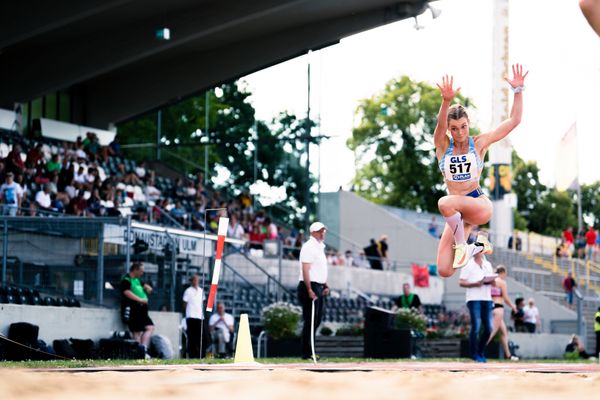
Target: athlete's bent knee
445, 207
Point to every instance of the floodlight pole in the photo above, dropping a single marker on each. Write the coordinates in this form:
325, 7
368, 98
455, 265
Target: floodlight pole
206, 125
307, 128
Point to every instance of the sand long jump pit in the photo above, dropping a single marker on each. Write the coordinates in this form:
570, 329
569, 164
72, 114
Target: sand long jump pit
380, 380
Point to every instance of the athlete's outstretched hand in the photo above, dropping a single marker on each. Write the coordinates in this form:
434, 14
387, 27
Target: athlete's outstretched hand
518, 76
446, 89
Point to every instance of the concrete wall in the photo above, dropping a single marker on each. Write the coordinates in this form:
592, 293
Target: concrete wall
82, 323
385, 283
360, 220
543, 345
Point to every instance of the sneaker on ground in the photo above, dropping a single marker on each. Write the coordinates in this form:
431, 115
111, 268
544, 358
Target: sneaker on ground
462, 255
514, 358
487, 246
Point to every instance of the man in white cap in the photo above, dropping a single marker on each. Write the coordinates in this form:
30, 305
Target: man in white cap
313, 283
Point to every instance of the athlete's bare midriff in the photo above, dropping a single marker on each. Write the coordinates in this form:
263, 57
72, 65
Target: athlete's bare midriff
461, 188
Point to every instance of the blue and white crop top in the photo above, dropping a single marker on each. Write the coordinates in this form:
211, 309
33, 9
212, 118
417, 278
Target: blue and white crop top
461, 167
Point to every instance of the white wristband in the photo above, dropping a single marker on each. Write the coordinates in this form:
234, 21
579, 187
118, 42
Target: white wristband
517, 89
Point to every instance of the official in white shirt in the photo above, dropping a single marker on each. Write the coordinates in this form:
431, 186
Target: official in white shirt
193, 304
479, 302
313, 282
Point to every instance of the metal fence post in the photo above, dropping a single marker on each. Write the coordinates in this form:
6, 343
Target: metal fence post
128, 244
4, 251
100, 267
279, 274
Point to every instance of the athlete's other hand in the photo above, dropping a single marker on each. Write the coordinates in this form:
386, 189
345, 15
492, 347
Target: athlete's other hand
446, 89
518, 76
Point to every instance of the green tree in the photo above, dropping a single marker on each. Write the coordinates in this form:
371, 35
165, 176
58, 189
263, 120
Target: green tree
553, 214
231, 143
393, 143
527, 185
590, 203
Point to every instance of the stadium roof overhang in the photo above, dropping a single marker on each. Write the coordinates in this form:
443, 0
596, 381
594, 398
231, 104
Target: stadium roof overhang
107, 53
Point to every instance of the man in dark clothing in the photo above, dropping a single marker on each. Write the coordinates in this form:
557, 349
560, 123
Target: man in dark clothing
408, 299
519, 316
373, 255
134, 305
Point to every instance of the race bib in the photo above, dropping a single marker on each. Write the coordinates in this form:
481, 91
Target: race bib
460, 168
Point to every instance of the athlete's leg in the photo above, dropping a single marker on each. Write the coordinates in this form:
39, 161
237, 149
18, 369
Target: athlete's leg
504, 333
474, 211
445, 255
498, 315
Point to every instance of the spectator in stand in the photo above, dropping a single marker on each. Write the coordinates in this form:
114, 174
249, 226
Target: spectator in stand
257, 237
179, 212
349, 257
14, 162
114, 148
189, 191
80, 153
569, 286
433, 228
78, 204
12, 195
580, 244
361, 261
2, 171
298, 245
514, 242
35, 157
140, 170
43, 200
407, 299
92, 148
235, 230
562, 250
54, 165
590, 242
531, 317
151, 192
246, 202
20, 180
569, 239
270, 229
221, 329
518, 316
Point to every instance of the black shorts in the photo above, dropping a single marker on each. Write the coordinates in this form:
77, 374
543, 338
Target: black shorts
139, 319
498, 305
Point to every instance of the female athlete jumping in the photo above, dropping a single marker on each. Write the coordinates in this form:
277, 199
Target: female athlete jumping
460, 158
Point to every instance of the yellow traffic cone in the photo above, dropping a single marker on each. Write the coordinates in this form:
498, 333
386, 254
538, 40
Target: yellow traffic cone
243, 348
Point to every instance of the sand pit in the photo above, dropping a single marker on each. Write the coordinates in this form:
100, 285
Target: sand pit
291, 384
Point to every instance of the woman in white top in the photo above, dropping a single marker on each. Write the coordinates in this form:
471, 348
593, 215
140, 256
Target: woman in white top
460, 159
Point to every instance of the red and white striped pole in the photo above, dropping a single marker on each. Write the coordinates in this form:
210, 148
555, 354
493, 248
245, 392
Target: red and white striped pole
222, 232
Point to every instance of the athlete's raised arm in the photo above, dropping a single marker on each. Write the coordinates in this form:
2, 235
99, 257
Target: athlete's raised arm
440, 139
517, 84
